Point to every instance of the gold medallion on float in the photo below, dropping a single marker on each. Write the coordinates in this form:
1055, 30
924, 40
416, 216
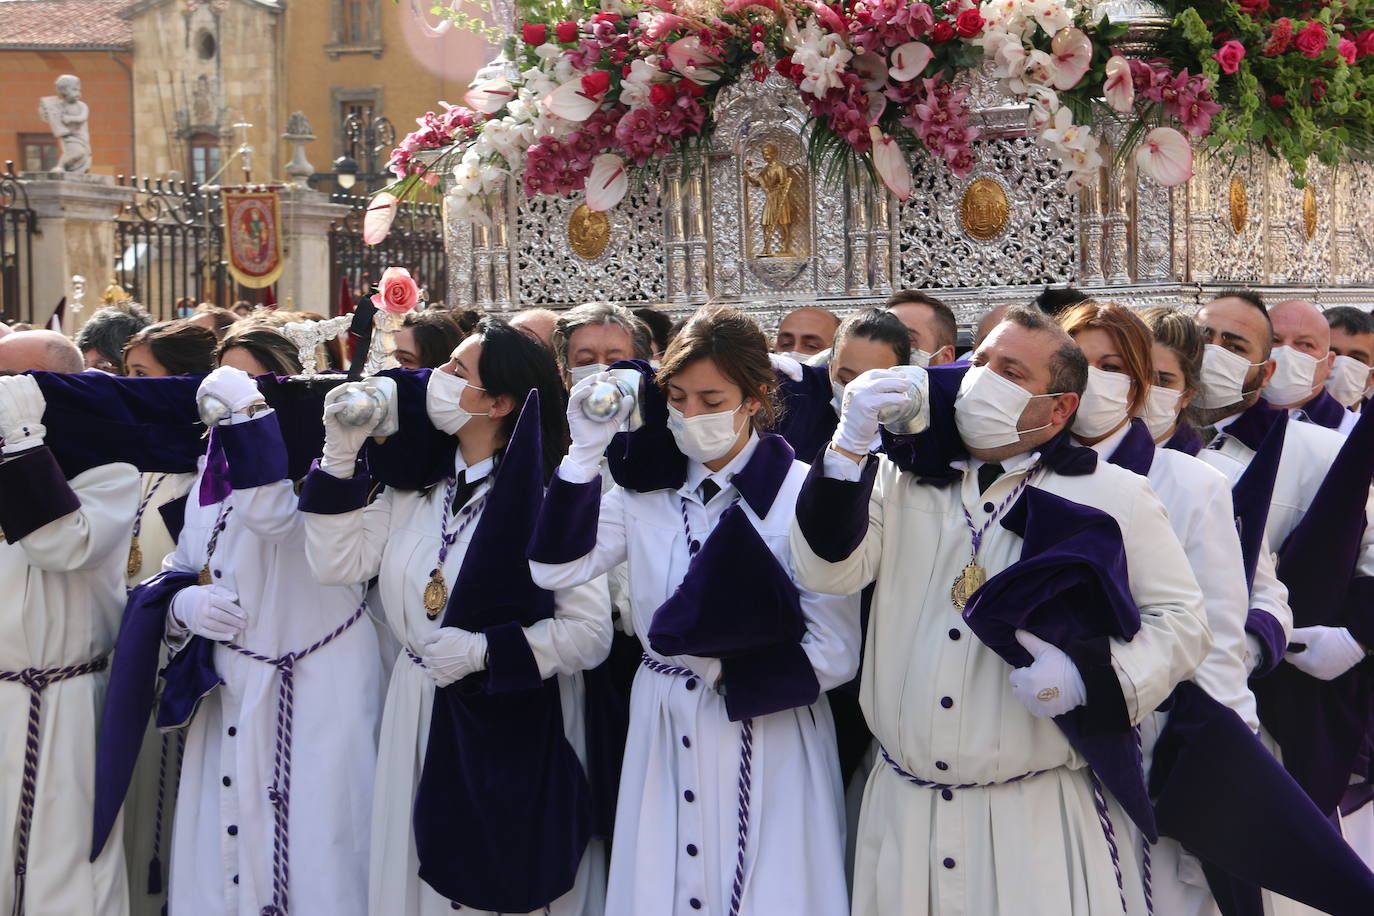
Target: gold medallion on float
589, 232
984, 209
1239, 202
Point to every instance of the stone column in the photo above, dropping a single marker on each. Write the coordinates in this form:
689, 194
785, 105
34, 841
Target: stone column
76, 235
305, 217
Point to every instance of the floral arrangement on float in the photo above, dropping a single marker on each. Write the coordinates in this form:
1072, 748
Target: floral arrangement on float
590, 96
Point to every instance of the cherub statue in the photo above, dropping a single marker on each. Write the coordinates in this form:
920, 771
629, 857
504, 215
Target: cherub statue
67, 115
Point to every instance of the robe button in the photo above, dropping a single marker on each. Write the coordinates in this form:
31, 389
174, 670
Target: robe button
236, 879
217, 574
691, 683
954, 634
946, 794
949, 863
233, 731
689, 796
455, 905
233, 830
694, 546
227, 782
686, 742
694, 903
941, 765
988, 507
691, 849
946, 702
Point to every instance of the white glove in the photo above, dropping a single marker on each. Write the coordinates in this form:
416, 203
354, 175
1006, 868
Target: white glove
786, 365
591, 438
1330, 652
211, 611
1051, 685
451, 654
341, 441
21, 413
864, 399
233, 387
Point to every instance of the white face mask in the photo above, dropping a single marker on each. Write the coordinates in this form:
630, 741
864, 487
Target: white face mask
1104, 404
1294, 377
706, 436
1347, 380
836, 396
1223, 377
988, 408
578, 373
442, 397
1161, 411
920, 358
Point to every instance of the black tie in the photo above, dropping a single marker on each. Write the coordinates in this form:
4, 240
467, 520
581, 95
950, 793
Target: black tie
462, 490
708, 490
987, 475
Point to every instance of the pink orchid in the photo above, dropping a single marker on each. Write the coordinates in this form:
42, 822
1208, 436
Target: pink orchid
735, 7
607, 183
1119, 88
890, 164
1166, 156
381, 213
1073, 55
693, 61
909, 60
489, 96
662, 24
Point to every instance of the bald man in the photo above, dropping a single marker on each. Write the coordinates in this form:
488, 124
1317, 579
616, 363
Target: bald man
1302, 362
990, 320
62, 570
806, 331
537, 323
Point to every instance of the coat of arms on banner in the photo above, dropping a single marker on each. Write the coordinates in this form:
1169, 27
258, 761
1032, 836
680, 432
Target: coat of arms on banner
252, 236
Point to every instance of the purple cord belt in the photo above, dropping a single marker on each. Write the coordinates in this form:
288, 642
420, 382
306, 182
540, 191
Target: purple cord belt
745, 784
279, 793
37, 680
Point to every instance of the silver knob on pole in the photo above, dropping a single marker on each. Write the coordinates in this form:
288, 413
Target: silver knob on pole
212, 410
603, 401
913, 414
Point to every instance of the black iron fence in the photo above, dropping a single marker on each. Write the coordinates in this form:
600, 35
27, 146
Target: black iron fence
416, 242
18, 226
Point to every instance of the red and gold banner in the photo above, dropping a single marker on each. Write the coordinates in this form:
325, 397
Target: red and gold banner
252, 236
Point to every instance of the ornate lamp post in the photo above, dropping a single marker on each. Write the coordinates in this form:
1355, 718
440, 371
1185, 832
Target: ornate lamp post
369, 141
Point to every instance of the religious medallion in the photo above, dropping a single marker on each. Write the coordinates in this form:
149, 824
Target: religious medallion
589, 232
135, 557
1240, 205
969, 581
984, 209
1309, 212
436, 594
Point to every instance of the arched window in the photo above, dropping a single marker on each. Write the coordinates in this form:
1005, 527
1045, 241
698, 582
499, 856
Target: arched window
204, 161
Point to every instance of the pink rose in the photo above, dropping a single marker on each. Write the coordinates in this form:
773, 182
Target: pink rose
1229, 56
1311, 41
1364, 42
1346, 49
397, 293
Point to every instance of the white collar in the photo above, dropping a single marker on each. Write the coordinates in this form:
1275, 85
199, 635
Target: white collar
1109, 444
478, 472
1014, 463
698, 472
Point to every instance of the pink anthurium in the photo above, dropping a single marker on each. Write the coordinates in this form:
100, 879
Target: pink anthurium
381, 213
489, 96
607, 183
572, 102
1118, 88
1073, 55
909, 61
662, 24
890, 164
829, 18
871, 68
693, 61
1166, 156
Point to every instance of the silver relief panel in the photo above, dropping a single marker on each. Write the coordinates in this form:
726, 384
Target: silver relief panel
1354, 235
1226, 220
1299, 233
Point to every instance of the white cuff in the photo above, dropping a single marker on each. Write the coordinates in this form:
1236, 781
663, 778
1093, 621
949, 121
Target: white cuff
574, 472
842, 467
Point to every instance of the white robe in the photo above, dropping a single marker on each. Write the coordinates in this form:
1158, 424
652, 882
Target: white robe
397, 538
939, 702
222, 843
65, 593
677, 830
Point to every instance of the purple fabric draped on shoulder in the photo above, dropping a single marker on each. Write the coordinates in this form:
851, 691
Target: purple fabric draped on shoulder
647, 459
1324, 410
1185, 439
1071, 588
417, 455
808, 420
928, 454
1262, 429
1210, 774
503, 810
130, 696
33, 493
1136, 451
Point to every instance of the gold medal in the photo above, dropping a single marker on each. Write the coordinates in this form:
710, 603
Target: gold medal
968, 582
135, 558
436, 595
204, 578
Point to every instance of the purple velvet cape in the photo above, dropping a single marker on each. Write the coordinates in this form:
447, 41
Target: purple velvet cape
807, 420
503, 812
1325, 727
1185, 439
646, 459
1262, 429
1324, 410
1071, 588
738, 604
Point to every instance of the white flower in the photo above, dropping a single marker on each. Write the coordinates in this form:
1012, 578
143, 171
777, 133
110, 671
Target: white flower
634, 89
822, 57
1052, 15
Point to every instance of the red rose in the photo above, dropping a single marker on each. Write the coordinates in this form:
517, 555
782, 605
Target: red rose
1253, 8
661, 95
1347, 50
692, 89
1311, 41
1229, 56
969, 23
534, 33
1277, 101
565, 32
1364, 42
942, 32
784, 67
1318, 88
596, 83
605, 17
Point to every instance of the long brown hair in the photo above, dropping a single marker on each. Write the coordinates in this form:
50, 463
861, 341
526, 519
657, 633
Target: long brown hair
1132, 337
735, 343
